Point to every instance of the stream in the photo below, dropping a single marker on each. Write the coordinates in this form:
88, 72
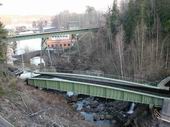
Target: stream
102, 112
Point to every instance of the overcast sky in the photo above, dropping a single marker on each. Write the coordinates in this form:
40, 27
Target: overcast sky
50, 7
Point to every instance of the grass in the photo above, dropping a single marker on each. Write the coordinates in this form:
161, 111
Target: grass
7, 85
12, 83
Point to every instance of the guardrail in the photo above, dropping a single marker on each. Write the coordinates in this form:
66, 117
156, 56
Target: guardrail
91, 73
94, 73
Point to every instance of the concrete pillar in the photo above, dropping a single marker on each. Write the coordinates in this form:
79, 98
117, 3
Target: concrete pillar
165, 114
44, 47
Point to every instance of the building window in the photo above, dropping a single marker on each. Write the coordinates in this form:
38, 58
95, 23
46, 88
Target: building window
48, 45
60, 45
52, 46
68, 44
64, 45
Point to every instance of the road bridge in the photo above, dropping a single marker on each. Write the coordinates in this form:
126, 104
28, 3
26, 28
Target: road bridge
49, 34
45, 36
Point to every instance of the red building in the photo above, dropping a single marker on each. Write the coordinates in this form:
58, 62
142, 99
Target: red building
63, 41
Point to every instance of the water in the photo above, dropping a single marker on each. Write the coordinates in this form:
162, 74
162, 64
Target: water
26, 75
79, 105
101, 123
131, 110
90, 117
25, 45
87, 116
36, 61
105, 123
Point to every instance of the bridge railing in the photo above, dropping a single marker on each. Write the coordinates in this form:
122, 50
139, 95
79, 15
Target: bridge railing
92, 73
137, 80
99, 73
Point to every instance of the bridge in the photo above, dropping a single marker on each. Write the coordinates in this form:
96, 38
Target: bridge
44, 37
27, 56
101, 87
108, 88
49, 34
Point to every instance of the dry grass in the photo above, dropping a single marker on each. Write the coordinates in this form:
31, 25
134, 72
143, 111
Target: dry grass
22, 100
1, 91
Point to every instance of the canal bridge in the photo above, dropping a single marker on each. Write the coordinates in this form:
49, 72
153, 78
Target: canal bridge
102, 87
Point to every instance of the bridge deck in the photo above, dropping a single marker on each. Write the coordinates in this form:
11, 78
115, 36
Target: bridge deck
48, 34
112, 83
102, 88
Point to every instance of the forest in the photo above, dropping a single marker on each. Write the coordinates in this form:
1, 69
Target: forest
141, 34
133, 42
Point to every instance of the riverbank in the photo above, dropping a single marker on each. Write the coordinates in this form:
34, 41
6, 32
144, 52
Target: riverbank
23, 105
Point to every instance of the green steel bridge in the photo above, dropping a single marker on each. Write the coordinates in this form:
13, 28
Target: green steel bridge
49, 34
101, 87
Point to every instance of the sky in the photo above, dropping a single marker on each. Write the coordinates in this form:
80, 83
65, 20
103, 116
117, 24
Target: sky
50, 7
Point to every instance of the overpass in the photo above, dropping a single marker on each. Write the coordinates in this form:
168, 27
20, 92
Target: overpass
49, 34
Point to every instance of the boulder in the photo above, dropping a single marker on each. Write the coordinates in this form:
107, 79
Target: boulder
94, 104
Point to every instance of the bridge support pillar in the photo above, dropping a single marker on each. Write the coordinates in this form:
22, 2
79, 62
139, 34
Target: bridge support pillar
165, 114
44, 47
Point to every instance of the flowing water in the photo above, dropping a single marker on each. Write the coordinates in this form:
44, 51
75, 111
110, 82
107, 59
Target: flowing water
90, 116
